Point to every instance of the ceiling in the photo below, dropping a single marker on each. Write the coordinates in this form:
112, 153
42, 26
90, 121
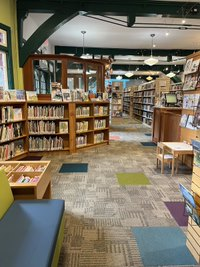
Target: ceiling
131, 44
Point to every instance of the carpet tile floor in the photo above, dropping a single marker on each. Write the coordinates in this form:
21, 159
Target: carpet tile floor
100, 213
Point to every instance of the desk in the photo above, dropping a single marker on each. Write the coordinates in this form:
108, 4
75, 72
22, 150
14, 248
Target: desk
178, 148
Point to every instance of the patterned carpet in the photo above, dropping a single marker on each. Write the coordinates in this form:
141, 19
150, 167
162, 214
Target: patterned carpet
99, 212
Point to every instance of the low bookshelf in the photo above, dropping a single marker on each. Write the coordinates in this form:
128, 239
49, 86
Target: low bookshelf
28, 179
13, 130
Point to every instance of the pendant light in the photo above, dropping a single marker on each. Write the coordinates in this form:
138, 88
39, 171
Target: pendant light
151, 61
129, 73
83, 54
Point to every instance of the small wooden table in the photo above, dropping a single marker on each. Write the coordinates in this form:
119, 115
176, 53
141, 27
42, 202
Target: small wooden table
178, 148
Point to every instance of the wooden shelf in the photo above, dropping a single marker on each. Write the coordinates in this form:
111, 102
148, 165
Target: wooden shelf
14, 139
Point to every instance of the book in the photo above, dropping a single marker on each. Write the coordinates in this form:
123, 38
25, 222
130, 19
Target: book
183, 121
63, 126
20, 95
31, 96
67, 96
196, 121
190, 82
188, 66
56, 92
189, 123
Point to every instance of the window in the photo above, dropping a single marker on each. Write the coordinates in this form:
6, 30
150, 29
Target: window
6, 70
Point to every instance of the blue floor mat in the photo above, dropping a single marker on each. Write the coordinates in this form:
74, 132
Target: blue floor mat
74, 167
163, 246
148, 143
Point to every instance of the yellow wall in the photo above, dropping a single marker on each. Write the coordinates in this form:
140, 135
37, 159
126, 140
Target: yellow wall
8, 17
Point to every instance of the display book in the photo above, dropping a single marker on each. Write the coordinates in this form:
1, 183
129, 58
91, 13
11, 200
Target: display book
191, 74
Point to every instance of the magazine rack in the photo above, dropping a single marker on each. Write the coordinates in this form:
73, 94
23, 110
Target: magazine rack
194, 213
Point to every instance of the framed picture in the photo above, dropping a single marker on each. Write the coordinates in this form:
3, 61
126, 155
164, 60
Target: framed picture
3, 38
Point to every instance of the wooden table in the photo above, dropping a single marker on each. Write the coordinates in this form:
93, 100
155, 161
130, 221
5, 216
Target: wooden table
178, 148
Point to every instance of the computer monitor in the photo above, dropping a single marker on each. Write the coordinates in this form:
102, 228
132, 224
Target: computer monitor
171, 99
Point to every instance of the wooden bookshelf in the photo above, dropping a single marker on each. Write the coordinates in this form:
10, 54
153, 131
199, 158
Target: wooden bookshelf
117, 99
48, 126
143, 102
13, 130
93, 127
128, 100
28, 179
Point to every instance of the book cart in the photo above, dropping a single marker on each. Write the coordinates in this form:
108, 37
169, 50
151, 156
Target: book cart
28, 179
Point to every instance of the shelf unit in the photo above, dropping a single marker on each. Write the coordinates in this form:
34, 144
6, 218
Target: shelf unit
128, 100
117, 100
193, 230
48, 124
143, 102
13, 130
28, 179
92, 124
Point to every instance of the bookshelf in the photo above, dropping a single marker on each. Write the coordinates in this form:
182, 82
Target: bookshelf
48, 126
117, 100
143, 102
13, 130
92, 123
128, 100
28, 179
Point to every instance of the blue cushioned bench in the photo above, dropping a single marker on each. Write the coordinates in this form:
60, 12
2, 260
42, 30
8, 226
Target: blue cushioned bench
31, 231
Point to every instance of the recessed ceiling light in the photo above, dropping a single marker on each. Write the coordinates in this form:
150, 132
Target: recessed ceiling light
183, 21
154, 45
166, 33
167, 68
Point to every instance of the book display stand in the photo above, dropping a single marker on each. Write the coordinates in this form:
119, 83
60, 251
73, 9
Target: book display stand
193, 206
28, 180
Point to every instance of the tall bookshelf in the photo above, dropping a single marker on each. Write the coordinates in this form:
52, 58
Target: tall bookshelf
128, 100
117, 100
143, 102
13, 130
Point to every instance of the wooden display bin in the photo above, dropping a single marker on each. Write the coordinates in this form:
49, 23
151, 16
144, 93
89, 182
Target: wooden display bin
39, 185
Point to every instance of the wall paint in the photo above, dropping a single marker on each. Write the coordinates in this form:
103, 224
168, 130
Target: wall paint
8, 17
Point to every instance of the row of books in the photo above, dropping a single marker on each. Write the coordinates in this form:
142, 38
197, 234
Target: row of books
190, 82
81, 126
187, 121
42, 127
23, 179
82, 111
43, 143
9, 114
81, 140
10, 131
100, 110
12, 95
11, 150
99, 124
46, 112
30, 168
98, 138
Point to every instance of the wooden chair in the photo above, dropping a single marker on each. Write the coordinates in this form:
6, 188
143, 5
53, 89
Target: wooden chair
163, 157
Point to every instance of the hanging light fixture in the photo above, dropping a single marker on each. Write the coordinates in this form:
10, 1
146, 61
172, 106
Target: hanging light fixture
171, 74
119, 77
149, 78
83, 54
129, 73
151, 61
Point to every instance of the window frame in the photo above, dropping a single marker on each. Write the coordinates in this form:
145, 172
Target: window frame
7, 48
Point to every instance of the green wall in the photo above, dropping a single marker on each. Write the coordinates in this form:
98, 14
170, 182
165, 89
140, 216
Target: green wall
8, 16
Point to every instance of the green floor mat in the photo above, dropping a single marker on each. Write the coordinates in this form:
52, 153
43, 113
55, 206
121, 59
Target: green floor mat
132, 179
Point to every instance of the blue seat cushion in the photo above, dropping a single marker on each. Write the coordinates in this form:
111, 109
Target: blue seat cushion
28, 233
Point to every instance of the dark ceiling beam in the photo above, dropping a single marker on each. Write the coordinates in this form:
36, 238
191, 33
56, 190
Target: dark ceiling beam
121, 51
113, 7
144, 67
43, 32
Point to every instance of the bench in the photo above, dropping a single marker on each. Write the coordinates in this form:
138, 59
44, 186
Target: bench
31, 231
